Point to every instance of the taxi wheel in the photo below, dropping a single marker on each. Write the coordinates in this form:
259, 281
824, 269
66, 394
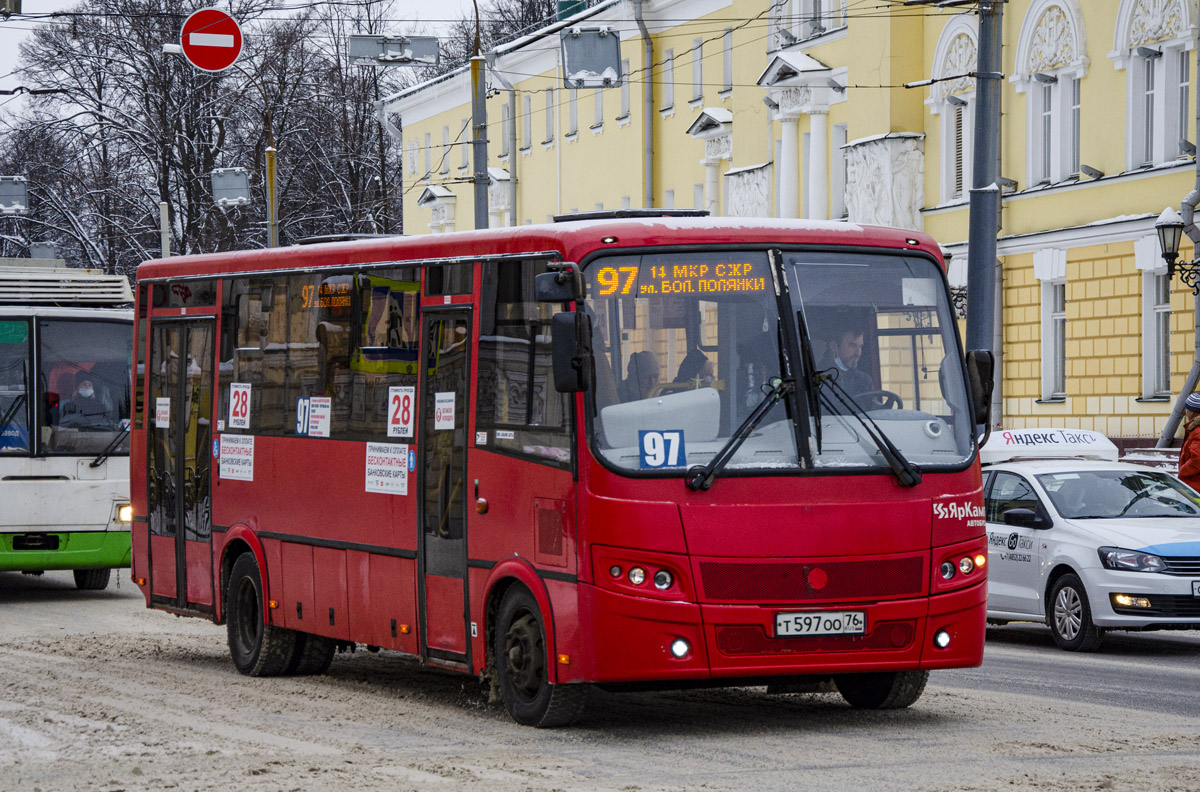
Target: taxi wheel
882, 690
521, 666
1070, 617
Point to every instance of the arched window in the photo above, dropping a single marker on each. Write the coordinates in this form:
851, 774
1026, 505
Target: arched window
1051, 63
1151, 44
952, 97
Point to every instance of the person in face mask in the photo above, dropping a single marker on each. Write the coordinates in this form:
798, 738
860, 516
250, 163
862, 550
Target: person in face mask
845, 351
84, 401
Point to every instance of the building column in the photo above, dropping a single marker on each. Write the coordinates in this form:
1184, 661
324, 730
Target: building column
817, 207
789, 169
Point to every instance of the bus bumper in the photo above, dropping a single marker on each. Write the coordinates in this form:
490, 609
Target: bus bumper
64, 550
635, 638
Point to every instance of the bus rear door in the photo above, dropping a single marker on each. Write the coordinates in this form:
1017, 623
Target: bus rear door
180, 462
442, 549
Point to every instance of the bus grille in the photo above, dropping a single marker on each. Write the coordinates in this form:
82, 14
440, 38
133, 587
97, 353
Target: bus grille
751, 639
738, 581
1181, 565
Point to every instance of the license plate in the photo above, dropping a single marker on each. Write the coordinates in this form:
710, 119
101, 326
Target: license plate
1196, 588
789, 625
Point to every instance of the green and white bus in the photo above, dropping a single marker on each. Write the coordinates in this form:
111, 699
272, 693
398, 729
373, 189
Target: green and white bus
66, 337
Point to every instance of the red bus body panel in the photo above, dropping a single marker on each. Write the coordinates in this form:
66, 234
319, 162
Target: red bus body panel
342, 562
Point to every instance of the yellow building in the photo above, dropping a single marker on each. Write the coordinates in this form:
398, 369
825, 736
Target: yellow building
798, 108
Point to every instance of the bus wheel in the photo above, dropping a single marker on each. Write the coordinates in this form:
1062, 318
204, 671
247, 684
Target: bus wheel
92, 579
885, 690
313, 655
257, 649
521, 665
1071, 616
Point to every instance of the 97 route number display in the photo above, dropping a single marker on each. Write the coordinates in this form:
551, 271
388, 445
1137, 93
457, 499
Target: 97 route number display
789, 625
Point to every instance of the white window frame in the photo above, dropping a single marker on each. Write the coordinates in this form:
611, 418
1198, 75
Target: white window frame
950, 93
527, 121
549, 116
840, 164
505, 125
1156, 317
464, 146
598, 108
1053, 129
572, 111
958, 149
428, 157
625, 89
1154, 82
1049, 267
445, 158
697, 69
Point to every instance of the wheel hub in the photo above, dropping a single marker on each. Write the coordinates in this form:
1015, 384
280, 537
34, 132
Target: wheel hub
525, 660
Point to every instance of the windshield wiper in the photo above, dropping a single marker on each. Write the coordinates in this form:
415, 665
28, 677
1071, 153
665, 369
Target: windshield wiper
907, 474
108, 449
12, 412
701, 477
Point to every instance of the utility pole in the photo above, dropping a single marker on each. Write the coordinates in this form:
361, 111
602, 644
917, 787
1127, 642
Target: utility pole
479, 126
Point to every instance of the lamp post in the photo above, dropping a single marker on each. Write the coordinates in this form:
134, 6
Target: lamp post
1170, 227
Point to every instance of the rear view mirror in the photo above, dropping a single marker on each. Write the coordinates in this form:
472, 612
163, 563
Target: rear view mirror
980, 365
559, 286
571, 350
1023, 518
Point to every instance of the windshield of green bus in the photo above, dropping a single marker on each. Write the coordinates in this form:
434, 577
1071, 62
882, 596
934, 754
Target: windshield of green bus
83, 382
686, 343
14, 386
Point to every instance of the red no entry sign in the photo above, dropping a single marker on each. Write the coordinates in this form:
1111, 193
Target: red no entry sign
211, 40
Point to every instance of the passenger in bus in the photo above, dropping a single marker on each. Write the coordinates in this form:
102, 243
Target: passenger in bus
696, 369
642, 377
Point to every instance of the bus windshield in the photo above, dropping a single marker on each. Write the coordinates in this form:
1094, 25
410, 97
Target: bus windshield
687, 343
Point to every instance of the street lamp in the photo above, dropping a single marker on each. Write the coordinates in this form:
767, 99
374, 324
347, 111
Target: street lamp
1170, 232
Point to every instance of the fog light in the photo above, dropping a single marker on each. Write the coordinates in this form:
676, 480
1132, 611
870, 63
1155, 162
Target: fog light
125, 513
947, 570
680, 648
662, 580
1130, 601
637, 576
965, 565
941, 639
615, 571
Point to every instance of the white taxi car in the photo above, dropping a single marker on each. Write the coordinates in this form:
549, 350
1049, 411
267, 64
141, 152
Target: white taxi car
1086, 543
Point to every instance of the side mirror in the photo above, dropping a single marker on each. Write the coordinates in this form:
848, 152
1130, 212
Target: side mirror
559, 286
571, 350
1024, 518
980, 365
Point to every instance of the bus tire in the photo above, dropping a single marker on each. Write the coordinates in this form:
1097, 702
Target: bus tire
92, 579
883, 690
257, 648
522, 667
1070, 616
312, 655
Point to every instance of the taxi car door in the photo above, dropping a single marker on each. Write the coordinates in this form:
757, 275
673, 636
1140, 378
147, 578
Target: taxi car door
1014, 559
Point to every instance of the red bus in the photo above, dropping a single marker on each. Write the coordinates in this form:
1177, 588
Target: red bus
621, 451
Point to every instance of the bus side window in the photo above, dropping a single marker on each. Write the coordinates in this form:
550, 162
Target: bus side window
517, 403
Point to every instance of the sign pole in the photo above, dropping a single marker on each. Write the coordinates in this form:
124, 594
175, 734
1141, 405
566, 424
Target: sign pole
272, 201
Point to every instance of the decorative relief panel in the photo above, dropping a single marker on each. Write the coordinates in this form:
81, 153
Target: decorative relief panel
1153, 20
885, 182
792, 101
747, 192
1053, 43
960, 60
718, 148
437, 215
412, 157
498, 196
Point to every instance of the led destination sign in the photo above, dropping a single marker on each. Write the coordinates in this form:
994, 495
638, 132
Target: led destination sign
327, 295
654, 279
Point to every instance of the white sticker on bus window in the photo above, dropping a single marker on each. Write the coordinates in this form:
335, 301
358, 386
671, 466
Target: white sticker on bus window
237, 457
387, 468
320, 408
239, 405
401, 416
920, 292
505, 434
162, 412
443, 410
480, 438
659, 449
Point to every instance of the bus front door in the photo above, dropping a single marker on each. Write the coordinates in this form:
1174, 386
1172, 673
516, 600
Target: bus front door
180, 460
442, 547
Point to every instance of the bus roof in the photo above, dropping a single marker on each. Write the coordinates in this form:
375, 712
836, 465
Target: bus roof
62, 286
572, 240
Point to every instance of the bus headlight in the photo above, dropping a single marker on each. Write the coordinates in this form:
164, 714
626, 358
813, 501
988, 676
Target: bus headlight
125, 513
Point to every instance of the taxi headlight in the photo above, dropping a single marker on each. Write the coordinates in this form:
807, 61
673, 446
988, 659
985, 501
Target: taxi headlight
125, 513
1130, 560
